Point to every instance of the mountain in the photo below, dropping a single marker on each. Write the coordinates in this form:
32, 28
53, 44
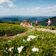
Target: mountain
9, 19
53, 21
33, 19
38, 18
41, 19
22, 18
14, 18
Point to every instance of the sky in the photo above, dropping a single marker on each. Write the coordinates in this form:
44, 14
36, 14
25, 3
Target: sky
28, 7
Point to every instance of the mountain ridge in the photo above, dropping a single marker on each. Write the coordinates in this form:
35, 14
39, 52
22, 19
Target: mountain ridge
53, 21
41, 19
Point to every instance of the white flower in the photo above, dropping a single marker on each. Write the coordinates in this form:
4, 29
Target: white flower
6, 48
9, 41
23, 40
30, 37
20, 49
35, 49
55, 47
11, 48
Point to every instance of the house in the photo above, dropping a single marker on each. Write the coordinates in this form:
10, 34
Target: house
26, 23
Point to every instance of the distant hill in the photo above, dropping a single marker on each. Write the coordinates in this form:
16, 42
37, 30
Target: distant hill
33, 20
14, 18
44, 21
39, 18
9, 19
22, 18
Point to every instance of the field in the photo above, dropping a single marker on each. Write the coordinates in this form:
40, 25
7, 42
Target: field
11, 29
32, 43
44, 42
51, 27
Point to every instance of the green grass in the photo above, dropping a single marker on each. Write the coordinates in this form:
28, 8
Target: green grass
45, 41
50, 27
11, 29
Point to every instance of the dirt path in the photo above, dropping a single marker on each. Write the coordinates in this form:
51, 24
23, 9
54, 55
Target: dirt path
21, 34
47, 30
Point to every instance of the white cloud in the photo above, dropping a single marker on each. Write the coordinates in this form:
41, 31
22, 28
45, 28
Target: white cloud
37, 8
38, 11
22, 9
11, 5
50, 11
1, 7
7, 2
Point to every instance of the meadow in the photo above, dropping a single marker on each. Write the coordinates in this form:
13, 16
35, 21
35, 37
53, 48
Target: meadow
45, 42
11, 29
42, 26
33, 43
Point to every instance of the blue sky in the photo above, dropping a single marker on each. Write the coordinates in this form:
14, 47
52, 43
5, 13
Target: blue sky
28, 7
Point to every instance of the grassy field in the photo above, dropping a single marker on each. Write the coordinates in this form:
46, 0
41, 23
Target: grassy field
50, 27
45, 42
11, 29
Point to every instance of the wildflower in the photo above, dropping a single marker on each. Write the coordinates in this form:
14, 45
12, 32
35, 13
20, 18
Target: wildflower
9, 41
30, 37
6, 48
20, 49
23, 40
11, 48
35, 49
55, 47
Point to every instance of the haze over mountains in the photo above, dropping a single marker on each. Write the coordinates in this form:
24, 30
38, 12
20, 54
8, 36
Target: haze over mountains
22, 18
41, 19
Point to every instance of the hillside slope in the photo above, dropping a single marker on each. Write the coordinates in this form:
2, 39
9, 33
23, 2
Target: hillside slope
44, 22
